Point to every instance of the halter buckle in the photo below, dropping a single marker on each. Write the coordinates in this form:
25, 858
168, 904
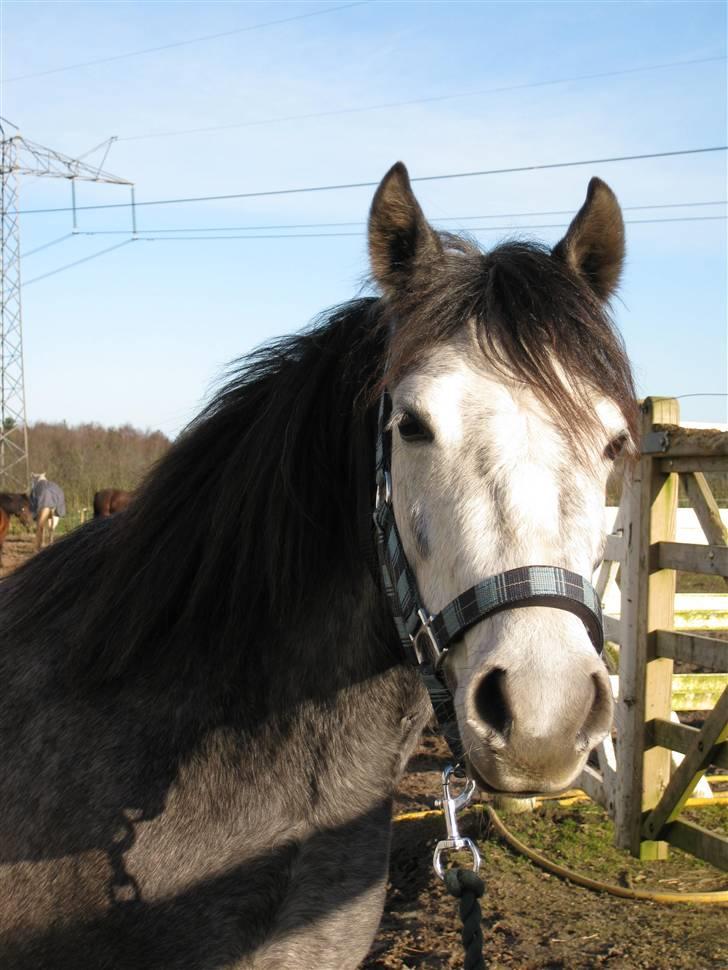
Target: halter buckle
384, 490
425, 643
451, 804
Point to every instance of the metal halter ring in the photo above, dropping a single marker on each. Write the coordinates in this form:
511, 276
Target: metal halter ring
384, 490
425, 643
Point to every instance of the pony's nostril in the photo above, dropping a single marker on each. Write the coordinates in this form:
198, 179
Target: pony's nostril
491, 703
599, 716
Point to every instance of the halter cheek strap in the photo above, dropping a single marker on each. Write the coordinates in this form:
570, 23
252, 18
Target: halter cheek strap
426, 639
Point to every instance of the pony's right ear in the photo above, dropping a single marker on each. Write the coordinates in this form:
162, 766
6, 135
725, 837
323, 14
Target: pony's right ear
400, 238
594, 243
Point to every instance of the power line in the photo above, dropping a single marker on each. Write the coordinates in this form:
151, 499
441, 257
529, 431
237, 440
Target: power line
319, 235
162, 232
359, 222
335, 112
338, 235
53, 242
183, 43
77, 262
372, 184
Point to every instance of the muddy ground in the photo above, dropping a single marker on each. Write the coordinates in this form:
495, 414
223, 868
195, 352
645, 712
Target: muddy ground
19, 545
530, 918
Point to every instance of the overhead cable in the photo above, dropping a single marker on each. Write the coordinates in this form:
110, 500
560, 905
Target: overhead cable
371, 184
316, 235
359, 222
183, 43
386, 105
53, 242
77, 262
338, 235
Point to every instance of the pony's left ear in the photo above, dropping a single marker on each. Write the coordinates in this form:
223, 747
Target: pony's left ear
594, 243
401, 241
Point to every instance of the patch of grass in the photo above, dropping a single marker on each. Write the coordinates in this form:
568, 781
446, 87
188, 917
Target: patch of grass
581, 837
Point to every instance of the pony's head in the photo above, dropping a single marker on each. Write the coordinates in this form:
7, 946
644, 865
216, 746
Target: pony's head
511, 398
23, 508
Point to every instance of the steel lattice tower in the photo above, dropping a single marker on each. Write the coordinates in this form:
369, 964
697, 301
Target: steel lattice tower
14, 470
18, 156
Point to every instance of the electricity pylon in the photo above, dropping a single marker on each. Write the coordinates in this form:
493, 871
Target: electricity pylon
18, 156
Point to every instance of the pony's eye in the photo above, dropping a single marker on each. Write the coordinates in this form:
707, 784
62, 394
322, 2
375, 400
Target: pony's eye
412, 429
615, 447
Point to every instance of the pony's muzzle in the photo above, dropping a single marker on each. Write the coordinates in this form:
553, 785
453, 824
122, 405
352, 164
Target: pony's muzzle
528, 729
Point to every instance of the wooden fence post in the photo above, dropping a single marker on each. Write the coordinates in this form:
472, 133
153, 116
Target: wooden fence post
648, 600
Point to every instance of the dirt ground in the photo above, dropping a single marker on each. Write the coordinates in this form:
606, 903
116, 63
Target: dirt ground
532, 919
18, 546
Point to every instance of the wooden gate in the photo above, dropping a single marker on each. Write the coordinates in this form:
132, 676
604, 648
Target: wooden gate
639, 781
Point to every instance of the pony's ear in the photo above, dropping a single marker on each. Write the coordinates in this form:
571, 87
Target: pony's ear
400, 238
594, 243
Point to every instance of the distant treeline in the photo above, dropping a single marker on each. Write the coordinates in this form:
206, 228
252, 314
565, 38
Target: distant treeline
86, 457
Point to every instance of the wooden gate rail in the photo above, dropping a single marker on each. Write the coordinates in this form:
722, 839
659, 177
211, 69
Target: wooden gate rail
680, 737
698, 757
645, 783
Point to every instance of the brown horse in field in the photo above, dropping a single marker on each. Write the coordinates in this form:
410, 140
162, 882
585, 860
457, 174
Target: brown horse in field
13, 503
109, 501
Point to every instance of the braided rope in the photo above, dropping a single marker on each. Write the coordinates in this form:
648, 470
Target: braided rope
468, 887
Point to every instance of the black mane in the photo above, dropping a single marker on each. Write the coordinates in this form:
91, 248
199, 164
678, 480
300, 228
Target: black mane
257, 507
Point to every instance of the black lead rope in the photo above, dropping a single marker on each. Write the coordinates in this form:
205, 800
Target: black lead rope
467, 887
426, 640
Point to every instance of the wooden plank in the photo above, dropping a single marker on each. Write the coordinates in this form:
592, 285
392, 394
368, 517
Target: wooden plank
607, 575
629, 709
679, 737
702, 789
697, 692
695, 464
614, 548
612, 628
591, 783
645, 685
607, 760
690, 692
666, 438
686, 776
610, 566
691, 558
698, 841
704, 651
706, 508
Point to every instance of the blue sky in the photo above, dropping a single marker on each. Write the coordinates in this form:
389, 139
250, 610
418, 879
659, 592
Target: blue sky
142, 334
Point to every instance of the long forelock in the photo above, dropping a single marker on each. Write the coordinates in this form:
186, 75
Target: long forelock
536, 322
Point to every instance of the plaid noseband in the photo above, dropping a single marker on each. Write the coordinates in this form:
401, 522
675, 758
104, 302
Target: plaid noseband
426, 639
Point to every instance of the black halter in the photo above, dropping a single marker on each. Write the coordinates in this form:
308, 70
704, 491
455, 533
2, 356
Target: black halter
426, 639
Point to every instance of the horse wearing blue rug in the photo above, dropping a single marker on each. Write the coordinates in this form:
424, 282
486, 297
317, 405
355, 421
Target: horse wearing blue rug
47, 506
